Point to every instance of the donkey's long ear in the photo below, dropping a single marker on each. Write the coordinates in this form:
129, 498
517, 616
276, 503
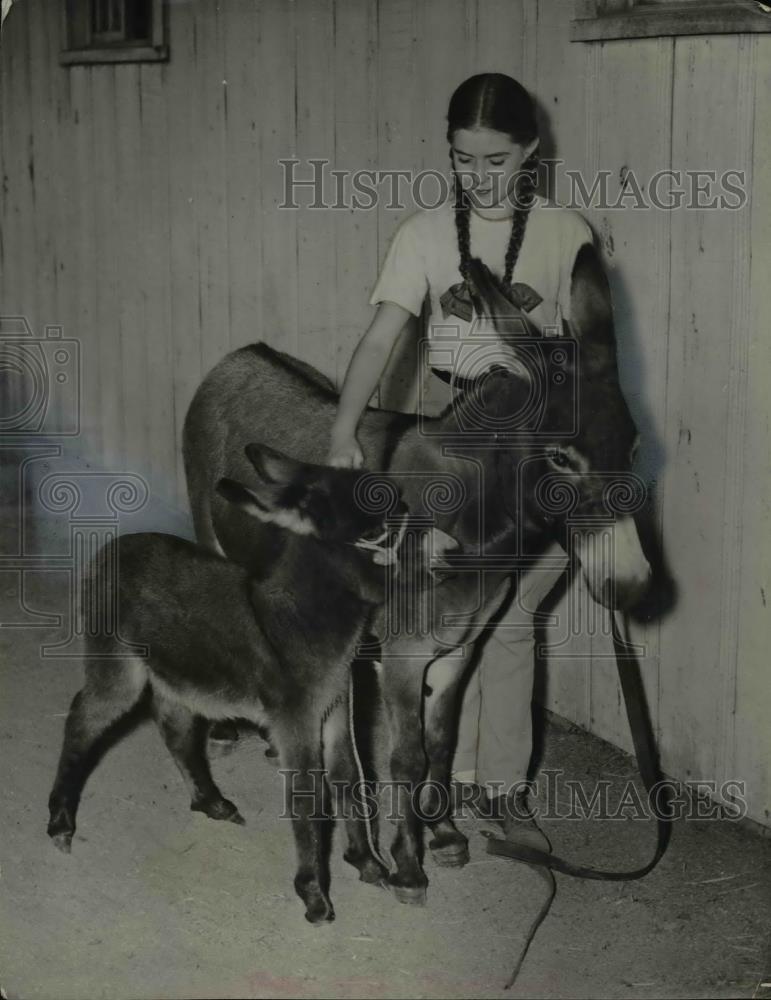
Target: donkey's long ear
272, 466
591, 309
510, 322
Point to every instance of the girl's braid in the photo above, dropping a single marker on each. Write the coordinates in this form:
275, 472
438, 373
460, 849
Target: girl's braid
462, 225
523, 203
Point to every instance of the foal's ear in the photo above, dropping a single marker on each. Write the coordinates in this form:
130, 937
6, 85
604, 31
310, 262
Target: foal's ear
265, 504
241, 496
502, 392
272, 466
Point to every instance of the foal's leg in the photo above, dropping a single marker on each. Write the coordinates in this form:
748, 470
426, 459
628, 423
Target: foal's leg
112, 689
185, 736
448, 846
345, 778
299, 743
402, 685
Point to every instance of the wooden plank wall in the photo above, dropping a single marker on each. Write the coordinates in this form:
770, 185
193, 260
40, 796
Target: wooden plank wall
141, 213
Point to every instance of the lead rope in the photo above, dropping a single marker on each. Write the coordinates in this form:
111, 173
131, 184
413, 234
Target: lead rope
383, 555
359, 767
551, 883
647, 762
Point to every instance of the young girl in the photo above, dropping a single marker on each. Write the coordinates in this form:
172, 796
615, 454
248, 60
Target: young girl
531, 246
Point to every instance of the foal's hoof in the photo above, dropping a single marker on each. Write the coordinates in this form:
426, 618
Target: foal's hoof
452, 853
413, 895
60, 830
222, 809
320, 911
62, 841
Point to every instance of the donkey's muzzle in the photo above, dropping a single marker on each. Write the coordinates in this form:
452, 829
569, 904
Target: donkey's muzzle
616, 570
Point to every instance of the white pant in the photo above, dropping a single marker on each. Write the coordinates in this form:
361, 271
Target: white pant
495, 730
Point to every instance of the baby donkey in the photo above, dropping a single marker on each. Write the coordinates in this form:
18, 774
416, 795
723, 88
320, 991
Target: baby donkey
272, 643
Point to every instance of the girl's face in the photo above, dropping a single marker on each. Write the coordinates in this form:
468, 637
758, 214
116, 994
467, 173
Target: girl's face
486, 163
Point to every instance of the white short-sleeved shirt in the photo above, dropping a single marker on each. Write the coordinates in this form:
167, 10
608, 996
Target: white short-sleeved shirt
423, 257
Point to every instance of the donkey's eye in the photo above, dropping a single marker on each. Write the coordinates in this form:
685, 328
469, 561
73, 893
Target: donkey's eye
558, 458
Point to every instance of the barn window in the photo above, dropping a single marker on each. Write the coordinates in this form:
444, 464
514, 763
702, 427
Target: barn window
114, 31
603, 19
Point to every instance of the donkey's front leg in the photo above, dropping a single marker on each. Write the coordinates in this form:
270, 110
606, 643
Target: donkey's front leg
448, 846
302, 769
402, 685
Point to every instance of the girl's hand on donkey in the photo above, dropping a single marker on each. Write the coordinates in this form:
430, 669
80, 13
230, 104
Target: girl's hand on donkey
346, 454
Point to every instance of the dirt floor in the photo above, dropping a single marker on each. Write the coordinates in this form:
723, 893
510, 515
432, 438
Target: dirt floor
156, 901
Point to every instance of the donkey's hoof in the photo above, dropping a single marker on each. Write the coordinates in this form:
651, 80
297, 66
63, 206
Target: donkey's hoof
222, 809
413, 895
450, 853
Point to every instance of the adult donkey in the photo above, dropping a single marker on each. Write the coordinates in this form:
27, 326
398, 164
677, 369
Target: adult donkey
505, 477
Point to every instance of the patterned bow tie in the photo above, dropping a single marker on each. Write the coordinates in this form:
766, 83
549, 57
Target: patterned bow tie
457, 301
